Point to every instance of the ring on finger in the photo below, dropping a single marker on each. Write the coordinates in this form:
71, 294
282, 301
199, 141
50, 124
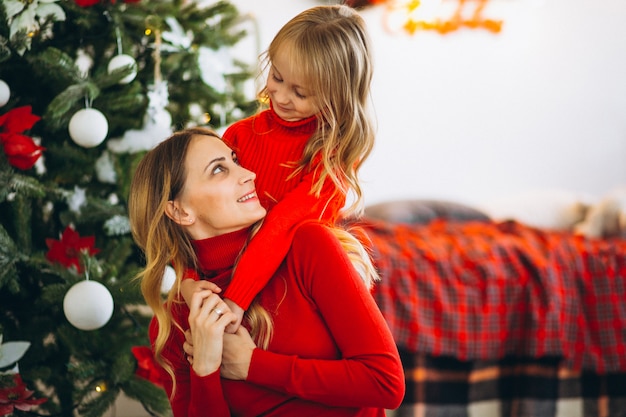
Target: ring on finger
218, 312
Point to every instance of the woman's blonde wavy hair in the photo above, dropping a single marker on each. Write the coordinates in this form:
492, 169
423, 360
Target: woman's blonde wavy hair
159, 178
331, 47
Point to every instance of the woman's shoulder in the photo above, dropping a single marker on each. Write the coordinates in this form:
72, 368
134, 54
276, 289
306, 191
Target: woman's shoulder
314, 233
312, 228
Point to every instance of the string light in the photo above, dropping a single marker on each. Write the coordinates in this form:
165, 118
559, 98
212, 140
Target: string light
153, 23
414, 15
101, 387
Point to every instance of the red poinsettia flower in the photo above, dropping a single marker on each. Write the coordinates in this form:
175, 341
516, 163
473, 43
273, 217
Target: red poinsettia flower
17, 120
14, 395
22, 152
147, 367
67, 250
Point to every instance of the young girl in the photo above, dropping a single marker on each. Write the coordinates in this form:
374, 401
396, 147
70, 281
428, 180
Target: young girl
308, 146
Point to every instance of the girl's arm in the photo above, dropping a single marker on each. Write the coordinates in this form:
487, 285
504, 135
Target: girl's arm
269, 246
369, 372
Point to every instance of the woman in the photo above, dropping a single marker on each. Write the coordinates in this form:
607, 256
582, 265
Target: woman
318, 345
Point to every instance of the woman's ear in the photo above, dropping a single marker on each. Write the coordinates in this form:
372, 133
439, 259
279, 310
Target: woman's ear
175, 211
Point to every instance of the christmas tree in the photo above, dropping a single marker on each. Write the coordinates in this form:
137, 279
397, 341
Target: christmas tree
86, 87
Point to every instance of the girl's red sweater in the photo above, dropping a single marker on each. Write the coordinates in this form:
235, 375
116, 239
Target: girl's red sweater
265, 144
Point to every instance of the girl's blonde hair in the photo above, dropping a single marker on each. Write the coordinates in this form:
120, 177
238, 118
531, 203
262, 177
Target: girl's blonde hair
159, 178
331, 48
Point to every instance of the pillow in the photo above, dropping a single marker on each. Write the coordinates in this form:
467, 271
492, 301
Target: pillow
554, 209
423, 211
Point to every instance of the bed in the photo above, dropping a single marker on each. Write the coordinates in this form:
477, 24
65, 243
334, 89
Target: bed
499, 318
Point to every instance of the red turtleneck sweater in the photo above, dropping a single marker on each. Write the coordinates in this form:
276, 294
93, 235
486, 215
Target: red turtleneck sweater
331, 353
264, 143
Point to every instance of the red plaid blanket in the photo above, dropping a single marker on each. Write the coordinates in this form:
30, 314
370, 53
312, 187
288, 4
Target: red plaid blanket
484, 291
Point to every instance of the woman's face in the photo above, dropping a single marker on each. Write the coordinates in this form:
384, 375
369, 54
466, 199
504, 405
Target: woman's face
219, 195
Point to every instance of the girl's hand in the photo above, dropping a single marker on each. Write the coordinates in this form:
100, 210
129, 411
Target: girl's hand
237, 354
238, 311
208, 317
189, 286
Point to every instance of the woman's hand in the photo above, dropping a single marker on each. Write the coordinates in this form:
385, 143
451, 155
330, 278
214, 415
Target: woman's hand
208, 317
237, 354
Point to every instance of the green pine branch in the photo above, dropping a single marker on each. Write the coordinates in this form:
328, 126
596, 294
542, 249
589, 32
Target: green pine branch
64, 363
9, 256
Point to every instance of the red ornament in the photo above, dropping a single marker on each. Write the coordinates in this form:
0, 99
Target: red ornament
21, 150
15, 396
67, 250
86, 3
147, 366
89, 3
357, 4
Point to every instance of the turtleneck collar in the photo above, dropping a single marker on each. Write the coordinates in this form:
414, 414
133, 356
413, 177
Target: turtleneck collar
217, 255
308, 124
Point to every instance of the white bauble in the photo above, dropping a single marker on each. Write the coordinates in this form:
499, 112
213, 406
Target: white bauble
5, 93
88, 305
169, 278
88, 127
121, 61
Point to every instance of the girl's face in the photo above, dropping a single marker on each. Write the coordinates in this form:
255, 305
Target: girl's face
291, 98
219, 195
